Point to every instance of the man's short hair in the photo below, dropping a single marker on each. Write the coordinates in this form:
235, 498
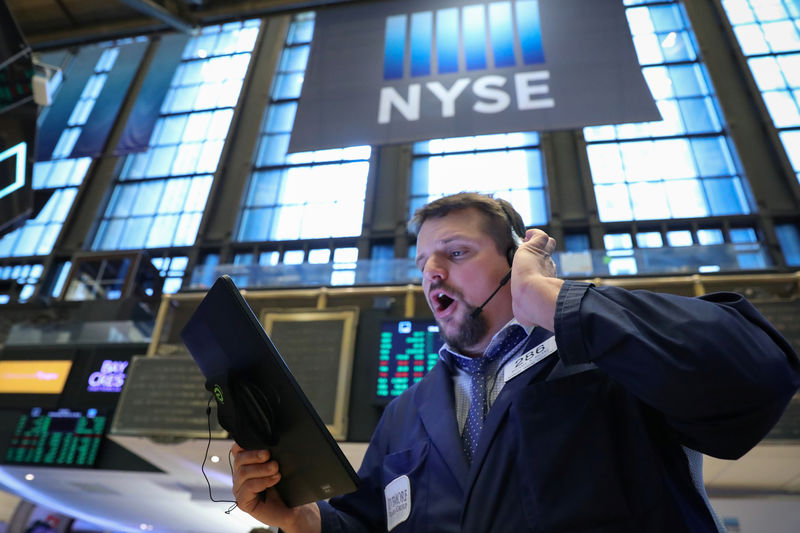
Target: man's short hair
500, 218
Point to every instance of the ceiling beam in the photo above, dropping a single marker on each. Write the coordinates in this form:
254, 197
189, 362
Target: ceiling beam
159, 12
145, 22
87, 34
67, 13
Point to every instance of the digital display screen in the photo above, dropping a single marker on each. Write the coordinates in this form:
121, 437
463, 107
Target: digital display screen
408, 349
33, 377
56, 438
18, 113
16, 81
108, 377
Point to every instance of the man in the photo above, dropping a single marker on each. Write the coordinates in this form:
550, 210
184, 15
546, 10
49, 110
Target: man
596, 400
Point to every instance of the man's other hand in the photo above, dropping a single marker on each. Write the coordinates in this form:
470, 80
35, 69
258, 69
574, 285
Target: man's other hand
254, 478
534, 287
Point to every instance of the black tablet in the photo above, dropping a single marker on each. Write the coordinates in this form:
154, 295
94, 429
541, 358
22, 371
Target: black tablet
258, 400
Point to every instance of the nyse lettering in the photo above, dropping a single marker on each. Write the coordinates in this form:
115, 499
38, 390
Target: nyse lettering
491, 94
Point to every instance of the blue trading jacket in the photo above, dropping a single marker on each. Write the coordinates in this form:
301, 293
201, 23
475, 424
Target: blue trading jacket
591, 438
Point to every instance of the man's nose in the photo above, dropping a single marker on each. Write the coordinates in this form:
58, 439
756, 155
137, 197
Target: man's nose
434, 269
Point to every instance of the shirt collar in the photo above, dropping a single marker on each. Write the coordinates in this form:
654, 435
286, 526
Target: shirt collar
448, 355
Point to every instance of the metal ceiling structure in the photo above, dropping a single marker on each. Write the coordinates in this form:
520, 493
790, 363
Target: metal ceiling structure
49, 24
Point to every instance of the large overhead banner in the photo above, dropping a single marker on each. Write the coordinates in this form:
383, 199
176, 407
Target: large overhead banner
405, 70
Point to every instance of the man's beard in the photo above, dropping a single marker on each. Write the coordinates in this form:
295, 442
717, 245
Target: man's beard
470, 331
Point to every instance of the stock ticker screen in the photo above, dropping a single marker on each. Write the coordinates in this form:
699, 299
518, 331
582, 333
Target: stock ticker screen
408, 349
56, 438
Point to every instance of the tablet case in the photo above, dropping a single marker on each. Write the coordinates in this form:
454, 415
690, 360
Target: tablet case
258, 400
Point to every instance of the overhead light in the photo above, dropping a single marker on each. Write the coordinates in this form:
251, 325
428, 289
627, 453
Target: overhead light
46, 79
34, 493
215, 458
29, 477
146, 527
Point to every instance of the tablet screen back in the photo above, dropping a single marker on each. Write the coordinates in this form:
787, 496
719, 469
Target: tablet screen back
259, 400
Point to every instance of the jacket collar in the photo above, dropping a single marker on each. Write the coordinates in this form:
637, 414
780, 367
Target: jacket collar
436, 406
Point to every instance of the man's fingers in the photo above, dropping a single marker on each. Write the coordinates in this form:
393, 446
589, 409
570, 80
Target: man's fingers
550, 247
540, 242
250, 480
253, 472
259, 469
535, 236
256, 485
246, 457
255, 475
245, 473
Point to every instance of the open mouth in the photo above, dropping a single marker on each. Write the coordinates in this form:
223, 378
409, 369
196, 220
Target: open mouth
441, 301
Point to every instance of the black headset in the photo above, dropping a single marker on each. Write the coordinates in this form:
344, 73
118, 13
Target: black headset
246, 410
516, 226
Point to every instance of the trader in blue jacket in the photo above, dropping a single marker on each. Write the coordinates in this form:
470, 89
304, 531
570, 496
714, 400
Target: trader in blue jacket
556, 406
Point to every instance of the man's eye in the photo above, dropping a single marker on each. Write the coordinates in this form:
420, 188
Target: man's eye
457, 253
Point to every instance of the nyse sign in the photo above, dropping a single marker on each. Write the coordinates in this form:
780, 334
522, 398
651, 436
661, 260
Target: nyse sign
400, 71
488, 93
454, 40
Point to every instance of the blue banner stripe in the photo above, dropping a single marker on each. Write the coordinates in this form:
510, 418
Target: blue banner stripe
463, 32
530, 32
394, 47
421, 43
447, 40
475, 36
501, 33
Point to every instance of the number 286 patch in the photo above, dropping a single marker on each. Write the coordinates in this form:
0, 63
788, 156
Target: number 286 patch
529, 358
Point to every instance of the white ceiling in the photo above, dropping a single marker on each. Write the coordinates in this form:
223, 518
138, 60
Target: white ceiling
177, 500
174, 501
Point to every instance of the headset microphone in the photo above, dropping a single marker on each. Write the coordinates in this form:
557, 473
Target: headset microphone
478, 309
517, 241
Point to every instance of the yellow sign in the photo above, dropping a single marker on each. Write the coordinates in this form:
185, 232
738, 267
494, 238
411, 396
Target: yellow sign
33, 377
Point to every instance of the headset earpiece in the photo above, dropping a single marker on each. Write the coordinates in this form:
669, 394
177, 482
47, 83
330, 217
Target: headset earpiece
517, 240
515, 225
517, 233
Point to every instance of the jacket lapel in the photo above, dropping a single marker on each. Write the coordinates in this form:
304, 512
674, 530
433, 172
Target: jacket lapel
436, 407
501, 405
